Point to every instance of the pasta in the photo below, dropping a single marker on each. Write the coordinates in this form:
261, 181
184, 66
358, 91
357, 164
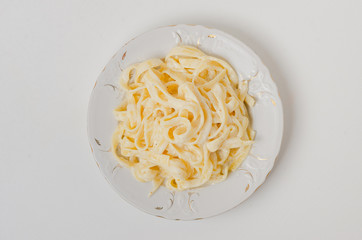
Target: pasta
184, 121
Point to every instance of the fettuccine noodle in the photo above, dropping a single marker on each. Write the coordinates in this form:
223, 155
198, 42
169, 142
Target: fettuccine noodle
184, 121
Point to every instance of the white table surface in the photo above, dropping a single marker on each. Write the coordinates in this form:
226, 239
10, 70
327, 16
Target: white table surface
51, 52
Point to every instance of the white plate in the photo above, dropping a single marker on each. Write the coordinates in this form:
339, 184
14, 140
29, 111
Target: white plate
267, 116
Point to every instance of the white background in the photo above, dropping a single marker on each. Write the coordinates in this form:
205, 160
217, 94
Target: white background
51, 53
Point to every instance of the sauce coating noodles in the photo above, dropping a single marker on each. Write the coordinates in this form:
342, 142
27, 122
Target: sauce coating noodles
184, 121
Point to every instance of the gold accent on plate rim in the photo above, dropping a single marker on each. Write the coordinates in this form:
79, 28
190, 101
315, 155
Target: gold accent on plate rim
124, 55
